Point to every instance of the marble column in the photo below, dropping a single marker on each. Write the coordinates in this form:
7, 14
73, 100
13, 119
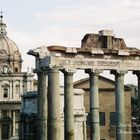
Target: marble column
42, 106
138, 77
120, 105
94, 105
53, 104
68, 105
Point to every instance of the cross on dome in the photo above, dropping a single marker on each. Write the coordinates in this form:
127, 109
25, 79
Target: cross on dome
2, 26
1, 14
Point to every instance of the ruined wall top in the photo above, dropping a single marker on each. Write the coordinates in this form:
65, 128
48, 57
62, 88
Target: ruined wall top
105, 40
101, 51
102, 43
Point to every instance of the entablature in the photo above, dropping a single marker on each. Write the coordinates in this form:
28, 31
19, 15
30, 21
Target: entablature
98, 51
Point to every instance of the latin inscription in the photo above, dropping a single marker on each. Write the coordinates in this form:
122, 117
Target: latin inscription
108, 63
89, 63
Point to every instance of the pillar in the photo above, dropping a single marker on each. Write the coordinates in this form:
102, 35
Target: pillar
28, 85
1, 96
10, 89
21, 87
120, 105
14, 122
32, 85
42, 106
11, 124
0, 123
138, 77
68, 105
53, 104
13, 86
94, 105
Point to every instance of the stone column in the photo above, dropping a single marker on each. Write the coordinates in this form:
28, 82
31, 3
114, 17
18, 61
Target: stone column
32, 85
14, 122
94, 105
138, 76
1, 96
13, 86
68, 105
28, 85
120, 105
10, 89
21, 87
53, 104
11, 124
42, 106
0, 125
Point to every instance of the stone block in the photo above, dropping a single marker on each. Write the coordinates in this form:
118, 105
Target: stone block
106, 33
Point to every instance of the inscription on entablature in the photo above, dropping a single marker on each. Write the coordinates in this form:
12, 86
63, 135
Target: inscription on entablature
108, 63
76, 62
89, 63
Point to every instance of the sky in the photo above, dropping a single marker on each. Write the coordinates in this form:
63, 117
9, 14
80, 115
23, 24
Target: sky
33, 23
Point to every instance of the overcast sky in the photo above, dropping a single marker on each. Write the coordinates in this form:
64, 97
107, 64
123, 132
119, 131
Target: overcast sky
32, 23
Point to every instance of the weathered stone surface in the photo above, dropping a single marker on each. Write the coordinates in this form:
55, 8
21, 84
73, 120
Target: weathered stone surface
30, 107
98, 52
106, 33
102, 40
40, 52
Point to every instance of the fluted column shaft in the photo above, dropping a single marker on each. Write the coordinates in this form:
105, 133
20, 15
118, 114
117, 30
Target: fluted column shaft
42, 106
68, 106
53, 105
94, 105
120, 105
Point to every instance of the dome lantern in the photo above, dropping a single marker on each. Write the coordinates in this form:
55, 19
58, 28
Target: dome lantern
2, 26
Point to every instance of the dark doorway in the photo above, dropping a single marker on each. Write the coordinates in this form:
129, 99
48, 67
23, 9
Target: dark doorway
5, 131
5, 127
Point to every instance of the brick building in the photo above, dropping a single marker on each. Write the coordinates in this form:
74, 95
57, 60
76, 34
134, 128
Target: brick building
107, 107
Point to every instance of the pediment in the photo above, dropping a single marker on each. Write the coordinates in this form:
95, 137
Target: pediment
5, 85
104, 83
5, 119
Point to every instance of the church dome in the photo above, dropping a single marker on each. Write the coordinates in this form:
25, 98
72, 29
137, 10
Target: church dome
10, 56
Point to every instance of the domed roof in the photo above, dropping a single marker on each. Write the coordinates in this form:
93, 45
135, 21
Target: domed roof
9, 52
7, 45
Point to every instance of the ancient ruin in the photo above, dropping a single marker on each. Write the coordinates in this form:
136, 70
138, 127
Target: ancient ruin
98, 52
